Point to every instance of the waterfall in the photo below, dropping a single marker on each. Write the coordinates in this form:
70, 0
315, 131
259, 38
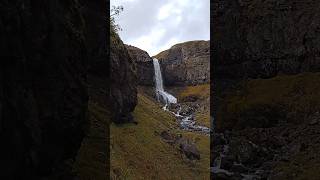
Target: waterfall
187, 122
161, 94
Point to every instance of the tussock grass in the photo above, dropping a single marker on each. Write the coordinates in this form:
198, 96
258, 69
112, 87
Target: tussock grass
201, 91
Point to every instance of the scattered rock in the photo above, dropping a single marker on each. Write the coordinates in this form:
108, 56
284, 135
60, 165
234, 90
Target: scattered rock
166, 136
190, 150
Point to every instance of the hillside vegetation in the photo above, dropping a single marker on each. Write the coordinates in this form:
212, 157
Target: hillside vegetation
280, 116
139, 152
266, 102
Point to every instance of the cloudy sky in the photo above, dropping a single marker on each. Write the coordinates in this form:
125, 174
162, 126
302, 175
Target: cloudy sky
156, 25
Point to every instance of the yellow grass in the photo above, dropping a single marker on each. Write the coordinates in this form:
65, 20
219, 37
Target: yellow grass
294, 96
138, 152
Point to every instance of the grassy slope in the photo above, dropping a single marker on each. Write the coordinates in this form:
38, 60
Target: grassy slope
295, 97
137, 151
91, 162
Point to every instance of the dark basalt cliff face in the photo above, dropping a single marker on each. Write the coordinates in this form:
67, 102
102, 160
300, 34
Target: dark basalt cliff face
123, 79
186, 63
264, 38
50, 54
266, 58
144, 64
43, 92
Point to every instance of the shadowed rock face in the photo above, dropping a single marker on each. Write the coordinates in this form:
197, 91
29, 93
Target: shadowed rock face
186, 63
43, 92
47, 51
263, 38
144, 64
123, 79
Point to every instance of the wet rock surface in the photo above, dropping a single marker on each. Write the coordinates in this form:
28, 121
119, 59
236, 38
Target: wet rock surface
185, 115
261, 153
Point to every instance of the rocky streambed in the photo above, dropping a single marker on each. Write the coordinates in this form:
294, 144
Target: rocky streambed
185, 115
283, 152
233, 158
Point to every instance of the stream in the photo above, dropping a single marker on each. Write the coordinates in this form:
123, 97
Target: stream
186, 121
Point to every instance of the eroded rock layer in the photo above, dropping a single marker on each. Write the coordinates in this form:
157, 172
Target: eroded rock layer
265, 38
144, 64
124, 81
186, 63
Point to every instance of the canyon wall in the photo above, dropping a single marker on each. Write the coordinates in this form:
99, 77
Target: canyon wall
144, 64
123, 81
265, 38
51, 53
43, 92
186, 63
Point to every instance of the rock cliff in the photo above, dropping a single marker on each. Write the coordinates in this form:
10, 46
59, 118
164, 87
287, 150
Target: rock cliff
186, 63
144, 64
43, 92
265, 68
264, 38
51, 53
123, 81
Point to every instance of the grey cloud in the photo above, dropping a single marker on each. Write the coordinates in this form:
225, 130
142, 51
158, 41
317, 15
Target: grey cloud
139, 18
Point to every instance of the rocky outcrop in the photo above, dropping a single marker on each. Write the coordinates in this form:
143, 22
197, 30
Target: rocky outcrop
144, 64
264, 38
186, 63
50, 53
43, 91
123, 79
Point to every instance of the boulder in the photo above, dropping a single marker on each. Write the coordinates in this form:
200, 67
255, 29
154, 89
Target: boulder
190, 150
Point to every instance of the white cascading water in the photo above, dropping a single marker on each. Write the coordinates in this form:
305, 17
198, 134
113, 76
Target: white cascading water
161, 94
186, 122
